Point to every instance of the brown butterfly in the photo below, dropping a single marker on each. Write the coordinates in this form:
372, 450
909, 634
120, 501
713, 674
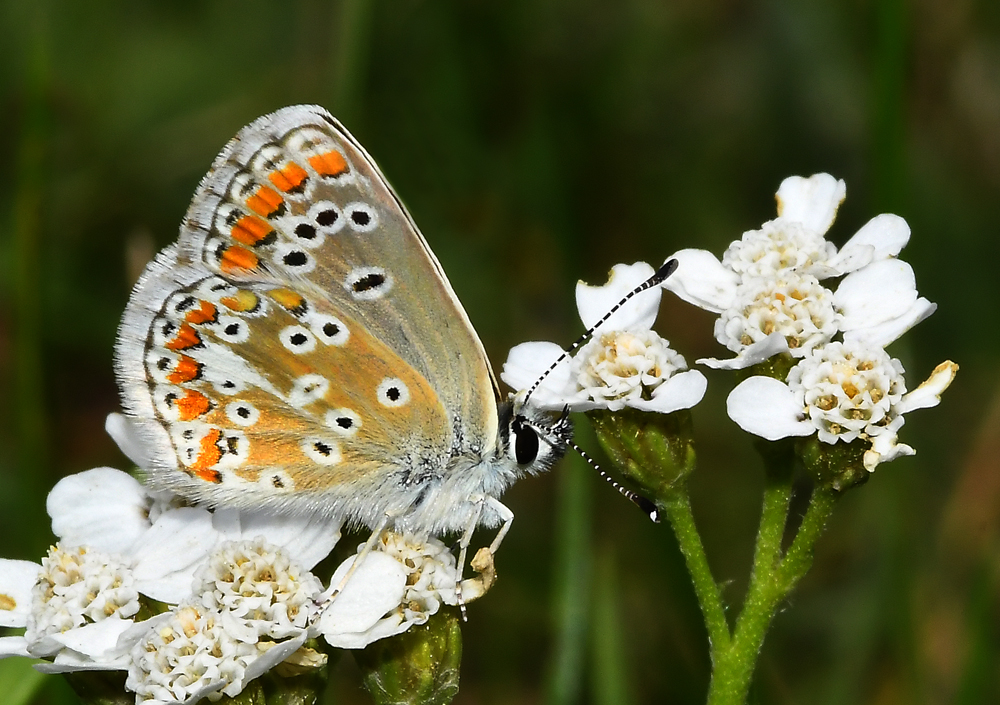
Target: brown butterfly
299, 348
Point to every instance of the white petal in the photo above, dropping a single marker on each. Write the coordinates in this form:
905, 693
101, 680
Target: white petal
123, 432
767, 408
131, 636
525, 365
272, 657
307, 539
96, 640
701, 280
881, 237
928, 394
13, 646
376, 587
770, 346
884, 333
875, 294
885, 448
681, 391
389, 626
812, 202
639, 313
16, 580
67, 661
171, 551
102, 508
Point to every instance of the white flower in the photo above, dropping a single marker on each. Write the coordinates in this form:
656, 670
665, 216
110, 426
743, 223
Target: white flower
108, 510
195, 652
876, 302
625, 364
401, 582
17, 579
74, 606
76, 587
842, 392
257, 582
798, 308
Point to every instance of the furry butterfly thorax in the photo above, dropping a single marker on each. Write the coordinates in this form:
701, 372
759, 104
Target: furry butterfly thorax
300, 349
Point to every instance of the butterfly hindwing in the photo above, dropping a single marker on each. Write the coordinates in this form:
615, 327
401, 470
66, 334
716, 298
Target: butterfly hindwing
301, 343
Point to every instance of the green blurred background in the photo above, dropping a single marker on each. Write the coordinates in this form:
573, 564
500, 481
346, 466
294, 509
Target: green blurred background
538, 142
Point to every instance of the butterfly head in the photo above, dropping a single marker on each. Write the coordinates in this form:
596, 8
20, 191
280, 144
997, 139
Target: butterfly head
532, 438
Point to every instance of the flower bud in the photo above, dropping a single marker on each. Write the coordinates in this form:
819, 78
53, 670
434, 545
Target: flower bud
419, 666
655, 451
838, 466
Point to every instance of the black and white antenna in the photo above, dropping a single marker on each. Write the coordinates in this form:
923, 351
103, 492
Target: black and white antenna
658, 278
644, 503
647, 506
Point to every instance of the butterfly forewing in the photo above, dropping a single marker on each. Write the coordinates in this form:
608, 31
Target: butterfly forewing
302, 339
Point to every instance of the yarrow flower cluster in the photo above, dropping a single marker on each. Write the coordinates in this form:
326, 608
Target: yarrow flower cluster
77, 587
626, 364
401, 582
768, 292
237, 587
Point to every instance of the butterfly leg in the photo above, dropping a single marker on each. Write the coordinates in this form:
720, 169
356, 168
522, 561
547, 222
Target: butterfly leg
506, 516
327, 598
463, 550
483, 561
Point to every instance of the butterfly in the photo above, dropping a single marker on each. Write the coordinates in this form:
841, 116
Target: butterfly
300, 349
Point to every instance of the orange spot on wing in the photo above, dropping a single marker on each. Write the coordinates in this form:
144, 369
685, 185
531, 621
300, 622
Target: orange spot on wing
186, 338
206, 313
288, 299
288, 178
251, 230
187, 369
210, 455
236, 258
241, 302
265, 202
192, 405
331, 163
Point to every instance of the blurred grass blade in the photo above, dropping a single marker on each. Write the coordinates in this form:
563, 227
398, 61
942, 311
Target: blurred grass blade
19, 682
572, 567
609, 671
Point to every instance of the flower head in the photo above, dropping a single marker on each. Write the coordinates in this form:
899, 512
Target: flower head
842, 392
767, 287
194, 651
625, 364
401, 582
257, 582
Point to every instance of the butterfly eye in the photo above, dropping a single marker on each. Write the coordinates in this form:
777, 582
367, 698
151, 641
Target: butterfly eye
525, 443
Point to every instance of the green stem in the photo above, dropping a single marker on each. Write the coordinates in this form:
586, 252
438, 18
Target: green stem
677, 506
771, 582
799, 558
